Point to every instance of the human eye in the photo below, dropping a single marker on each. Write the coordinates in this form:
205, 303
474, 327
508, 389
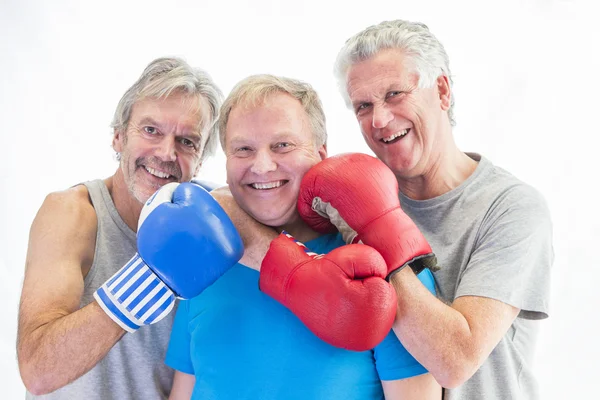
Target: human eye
242, 151
188, 143
283, 147
393, 94
150, 130
362, 107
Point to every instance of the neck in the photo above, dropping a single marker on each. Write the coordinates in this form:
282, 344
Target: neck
447, 171
299, 230
127, 206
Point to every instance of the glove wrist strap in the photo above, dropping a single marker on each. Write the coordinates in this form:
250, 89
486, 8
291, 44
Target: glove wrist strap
135, 296
417, 264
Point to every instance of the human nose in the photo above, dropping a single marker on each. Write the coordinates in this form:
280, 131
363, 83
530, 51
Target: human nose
263, 163
167, 149
381, 116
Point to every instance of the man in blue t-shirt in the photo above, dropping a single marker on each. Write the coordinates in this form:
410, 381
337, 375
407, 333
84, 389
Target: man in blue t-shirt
234, 341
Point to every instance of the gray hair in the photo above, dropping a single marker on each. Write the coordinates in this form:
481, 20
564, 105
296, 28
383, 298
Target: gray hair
257, 88
164, 76
428, 57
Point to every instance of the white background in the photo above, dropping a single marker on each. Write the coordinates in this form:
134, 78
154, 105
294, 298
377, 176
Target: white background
526, 85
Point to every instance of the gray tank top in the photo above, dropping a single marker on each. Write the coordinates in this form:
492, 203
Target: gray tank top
134, 368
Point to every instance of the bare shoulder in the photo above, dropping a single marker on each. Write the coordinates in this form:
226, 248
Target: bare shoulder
68, 207
64, 227
221, 193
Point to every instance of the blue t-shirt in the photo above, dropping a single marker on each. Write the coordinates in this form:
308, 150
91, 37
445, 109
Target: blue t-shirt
242, 344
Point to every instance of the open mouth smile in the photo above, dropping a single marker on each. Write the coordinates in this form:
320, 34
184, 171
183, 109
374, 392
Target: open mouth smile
395, 137
267, 185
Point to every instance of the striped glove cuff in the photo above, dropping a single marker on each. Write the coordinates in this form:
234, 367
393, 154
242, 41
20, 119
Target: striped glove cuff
135, 296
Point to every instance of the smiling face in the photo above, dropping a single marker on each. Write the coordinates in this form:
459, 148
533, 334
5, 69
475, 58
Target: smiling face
400, 122
269, 148
162, 143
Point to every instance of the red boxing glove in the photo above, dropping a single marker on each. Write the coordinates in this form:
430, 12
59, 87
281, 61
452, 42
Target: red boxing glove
358, 194
342, 297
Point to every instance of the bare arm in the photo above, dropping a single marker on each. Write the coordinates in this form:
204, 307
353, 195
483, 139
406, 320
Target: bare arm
451, 341
421, 387
58, 342
183, 386
256, 236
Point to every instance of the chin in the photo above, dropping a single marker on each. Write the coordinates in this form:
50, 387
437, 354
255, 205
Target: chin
400, 165
142, 193
142, 196
271, 221
268, 218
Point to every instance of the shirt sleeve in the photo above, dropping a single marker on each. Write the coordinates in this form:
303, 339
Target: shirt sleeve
392, 360
513, 254
178, 353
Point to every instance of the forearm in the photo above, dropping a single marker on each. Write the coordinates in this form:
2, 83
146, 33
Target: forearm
255, 251
59, 351
256, 236
436, 334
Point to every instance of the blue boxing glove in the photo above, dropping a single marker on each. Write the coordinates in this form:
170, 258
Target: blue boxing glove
185, 243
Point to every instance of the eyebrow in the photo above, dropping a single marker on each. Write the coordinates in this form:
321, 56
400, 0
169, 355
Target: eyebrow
360, 100
277, 136
194, 135
149, 121
392, 87
237, 139
282, 135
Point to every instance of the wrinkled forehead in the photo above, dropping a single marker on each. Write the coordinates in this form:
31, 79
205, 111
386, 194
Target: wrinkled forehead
268, 117
390, 66
176, 108
262, 99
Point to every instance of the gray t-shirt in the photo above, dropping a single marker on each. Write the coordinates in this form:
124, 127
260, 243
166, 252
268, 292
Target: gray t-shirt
134, 368
492, 236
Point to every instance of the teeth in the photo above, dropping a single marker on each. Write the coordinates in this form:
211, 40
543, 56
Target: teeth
268, 185
394, 136
157, 173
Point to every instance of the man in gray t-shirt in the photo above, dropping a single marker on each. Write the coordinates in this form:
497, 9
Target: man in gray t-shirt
491, 233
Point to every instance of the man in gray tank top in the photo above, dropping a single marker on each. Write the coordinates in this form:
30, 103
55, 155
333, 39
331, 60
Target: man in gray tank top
491, 233
68, 347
